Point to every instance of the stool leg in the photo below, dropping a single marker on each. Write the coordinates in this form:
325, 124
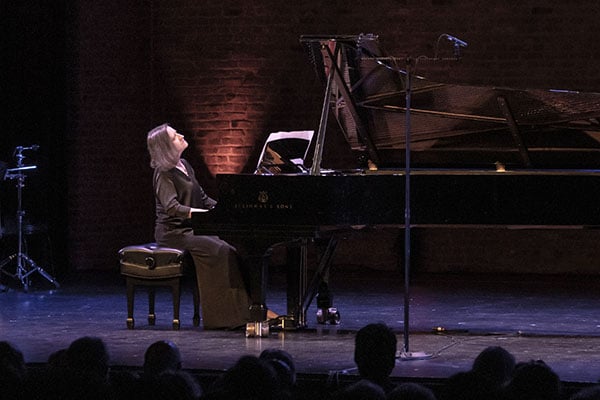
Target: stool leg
151, 300
196, 297
130, 294
176, 291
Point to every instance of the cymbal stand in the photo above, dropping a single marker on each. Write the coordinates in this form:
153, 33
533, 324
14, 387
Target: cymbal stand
25, 265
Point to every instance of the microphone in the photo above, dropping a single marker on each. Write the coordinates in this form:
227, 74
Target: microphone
20, 149
456, 41
34, 147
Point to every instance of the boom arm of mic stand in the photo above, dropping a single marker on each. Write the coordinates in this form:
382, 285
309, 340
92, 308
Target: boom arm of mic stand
14, 173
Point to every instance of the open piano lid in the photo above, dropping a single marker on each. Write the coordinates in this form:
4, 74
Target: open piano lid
452, 125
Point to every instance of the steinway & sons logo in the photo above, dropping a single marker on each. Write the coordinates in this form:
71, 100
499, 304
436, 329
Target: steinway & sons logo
262, 202
263, 197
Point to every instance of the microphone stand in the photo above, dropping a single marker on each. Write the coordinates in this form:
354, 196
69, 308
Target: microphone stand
406, 354
25, 265
411, 64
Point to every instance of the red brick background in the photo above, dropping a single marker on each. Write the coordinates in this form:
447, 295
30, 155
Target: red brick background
227, 73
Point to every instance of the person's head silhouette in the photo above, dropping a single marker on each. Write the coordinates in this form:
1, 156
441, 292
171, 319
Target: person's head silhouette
375, 351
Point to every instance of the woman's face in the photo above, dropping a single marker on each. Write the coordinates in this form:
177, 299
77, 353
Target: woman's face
177, 139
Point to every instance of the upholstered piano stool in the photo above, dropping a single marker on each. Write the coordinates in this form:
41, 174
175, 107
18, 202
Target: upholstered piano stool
151, 266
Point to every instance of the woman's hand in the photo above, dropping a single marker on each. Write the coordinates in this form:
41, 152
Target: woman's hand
192, 210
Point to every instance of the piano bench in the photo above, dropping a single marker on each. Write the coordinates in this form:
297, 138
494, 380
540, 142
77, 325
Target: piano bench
151, 266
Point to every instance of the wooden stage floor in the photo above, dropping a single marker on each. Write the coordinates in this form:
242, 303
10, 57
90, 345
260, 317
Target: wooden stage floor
555, 319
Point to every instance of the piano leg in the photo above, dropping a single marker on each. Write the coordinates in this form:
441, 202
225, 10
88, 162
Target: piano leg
326, 312
319, 286
258, 265
296, 279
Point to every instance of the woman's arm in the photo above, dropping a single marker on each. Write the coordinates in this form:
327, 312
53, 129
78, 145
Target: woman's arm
166, 193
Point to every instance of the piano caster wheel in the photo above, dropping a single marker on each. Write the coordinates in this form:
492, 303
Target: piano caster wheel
151, 319
130, 323
257, 329
328, 315
334, 316
175, 324
196, 320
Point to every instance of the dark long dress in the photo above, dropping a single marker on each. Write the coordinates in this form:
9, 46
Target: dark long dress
223, 296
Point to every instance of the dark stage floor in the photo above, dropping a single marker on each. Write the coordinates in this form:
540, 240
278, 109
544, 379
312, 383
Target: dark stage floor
555, 319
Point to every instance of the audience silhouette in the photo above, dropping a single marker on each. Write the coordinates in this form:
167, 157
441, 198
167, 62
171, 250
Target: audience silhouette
533, 380
249, 378
82, 371
88, 357
285, 369
375, 354
160, 357
411, 391
491, 370
495, 365
173, 385
364, 389
589, 393
13, 370
79, 371
162, 376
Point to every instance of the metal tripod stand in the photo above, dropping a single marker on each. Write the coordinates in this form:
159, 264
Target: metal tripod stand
25, 266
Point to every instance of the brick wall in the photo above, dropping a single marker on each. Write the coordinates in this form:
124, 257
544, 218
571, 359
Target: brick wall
227, 73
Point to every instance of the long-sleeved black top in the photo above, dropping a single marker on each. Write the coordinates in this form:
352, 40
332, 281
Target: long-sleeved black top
176, 193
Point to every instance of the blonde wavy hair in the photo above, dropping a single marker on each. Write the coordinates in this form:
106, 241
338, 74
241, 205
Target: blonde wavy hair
163, 155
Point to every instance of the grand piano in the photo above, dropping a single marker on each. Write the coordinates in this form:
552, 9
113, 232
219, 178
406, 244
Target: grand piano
481, 156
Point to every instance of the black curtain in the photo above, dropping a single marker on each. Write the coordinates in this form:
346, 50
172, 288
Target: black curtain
33, 112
